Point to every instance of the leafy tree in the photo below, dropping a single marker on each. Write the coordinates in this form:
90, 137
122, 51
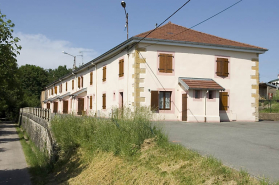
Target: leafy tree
10, 93
55, 74
33, 79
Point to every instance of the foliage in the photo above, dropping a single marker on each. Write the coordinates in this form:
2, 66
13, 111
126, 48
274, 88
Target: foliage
10, 93
33, 79
55, 74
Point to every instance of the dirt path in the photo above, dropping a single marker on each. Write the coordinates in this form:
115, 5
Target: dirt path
13, 167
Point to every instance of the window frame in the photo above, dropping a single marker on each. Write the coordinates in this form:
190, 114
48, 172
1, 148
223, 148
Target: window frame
197, 92
164, 100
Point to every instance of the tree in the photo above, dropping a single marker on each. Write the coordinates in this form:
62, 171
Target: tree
10, 93
33, 79
55, 74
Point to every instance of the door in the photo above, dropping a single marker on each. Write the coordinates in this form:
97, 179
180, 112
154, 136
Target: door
48, 105
55, 109
121, 100
65, 107
184, 107
80, 106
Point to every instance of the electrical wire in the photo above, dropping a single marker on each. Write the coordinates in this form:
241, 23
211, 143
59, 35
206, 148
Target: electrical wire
159, 25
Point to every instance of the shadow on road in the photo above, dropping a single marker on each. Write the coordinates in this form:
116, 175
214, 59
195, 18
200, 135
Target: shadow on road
17, 176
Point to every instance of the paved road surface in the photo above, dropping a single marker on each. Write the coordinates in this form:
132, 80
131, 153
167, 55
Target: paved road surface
251, 146
13, 167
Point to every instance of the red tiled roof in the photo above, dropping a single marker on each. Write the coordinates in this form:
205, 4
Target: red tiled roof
202, 84
175, 32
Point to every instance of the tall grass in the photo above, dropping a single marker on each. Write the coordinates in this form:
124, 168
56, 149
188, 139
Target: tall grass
122, 135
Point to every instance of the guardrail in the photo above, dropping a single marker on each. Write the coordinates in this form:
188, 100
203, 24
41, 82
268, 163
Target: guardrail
39, 112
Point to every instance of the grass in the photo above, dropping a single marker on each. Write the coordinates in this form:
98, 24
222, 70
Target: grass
129, 149
38, 162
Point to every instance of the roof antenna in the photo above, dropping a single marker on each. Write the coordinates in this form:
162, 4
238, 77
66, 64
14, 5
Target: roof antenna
156, 25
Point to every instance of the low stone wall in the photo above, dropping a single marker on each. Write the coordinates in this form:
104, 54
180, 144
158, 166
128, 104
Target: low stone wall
269, 116
39, 133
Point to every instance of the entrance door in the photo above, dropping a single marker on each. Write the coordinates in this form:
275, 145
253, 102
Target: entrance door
121, 100
80, 106
48, 105
184, 107
65, 107
55, 109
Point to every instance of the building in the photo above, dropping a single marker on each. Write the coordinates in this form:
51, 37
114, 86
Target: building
182, 74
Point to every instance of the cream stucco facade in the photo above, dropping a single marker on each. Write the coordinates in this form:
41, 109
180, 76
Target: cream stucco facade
142, 76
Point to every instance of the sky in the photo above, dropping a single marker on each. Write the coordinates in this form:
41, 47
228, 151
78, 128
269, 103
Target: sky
90, 28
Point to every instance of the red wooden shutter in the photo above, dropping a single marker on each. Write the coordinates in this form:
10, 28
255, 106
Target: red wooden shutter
90, 106
225, 67
168, 63
162, 63
154, 100
91, 78
122, 67
78, 82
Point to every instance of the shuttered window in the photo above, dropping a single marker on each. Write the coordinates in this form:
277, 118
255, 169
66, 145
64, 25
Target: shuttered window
78, 82
104, 101
165, 63
60, 88
165, 100
223, 100
51, 91
55, 89
222, 67
90, 102
66, 86
104, 73
73, 84
121, 68
154, 100
91, 78
81, 78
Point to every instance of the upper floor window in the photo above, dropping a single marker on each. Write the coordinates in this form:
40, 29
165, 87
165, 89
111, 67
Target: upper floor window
222, 67
121, 68
66, 86
91, 78
73, 84
51, 91
60, 88
165, 63
104, 73
78, 82
55, 89
81, 81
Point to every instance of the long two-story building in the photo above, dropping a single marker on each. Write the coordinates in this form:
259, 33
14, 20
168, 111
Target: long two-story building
181, 74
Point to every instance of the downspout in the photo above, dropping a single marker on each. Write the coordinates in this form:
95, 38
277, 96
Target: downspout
205, 105
96, 89
127, 82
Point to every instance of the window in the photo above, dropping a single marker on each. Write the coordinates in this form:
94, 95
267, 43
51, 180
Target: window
223, 100
165, 63
210, 95
78, 82
222, 67
51, 91
104, 73
104, 101
66, 86
165, 100
90, 102
121, 68
197, 94
55, 89
73, 84
91, 78
81, 78
60, 88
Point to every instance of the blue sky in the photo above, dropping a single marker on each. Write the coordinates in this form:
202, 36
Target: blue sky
46, 28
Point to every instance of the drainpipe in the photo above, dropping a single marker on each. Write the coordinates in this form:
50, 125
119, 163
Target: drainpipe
205, 105
127, 82
96, 89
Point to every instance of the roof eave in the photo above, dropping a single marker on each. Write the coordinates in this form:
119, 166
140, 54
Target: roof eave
202, 45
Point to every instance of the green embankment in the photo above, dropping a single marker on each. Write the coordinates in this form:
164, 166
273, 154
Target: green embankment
129, 150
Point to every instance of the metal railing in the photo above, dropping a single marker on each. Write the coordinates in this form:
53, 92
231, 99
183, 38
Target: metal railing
39, 112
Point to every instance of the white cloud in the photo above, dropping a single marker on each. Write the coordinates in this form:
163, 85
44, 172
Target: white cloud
41, 51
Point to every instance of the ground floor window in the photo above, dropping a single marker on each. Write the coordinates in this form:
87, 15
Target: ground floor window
165, 100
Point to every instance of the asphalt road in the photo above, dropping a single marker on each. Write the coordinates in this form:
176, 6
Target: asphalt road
13, 167
250, 146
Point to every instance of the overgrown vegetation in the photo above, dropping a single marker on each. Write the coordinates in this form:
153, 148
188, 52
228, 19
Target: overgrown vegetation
128, 149
270, 106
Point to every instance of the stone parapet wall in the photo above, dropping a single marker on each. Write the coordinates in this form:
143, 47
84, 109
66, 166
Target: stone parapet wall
39, 133
269, 116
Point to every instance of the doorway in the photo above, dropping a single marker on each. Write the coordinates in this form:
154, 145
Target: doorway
184, 107
121, 100
65, 107
80, 106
